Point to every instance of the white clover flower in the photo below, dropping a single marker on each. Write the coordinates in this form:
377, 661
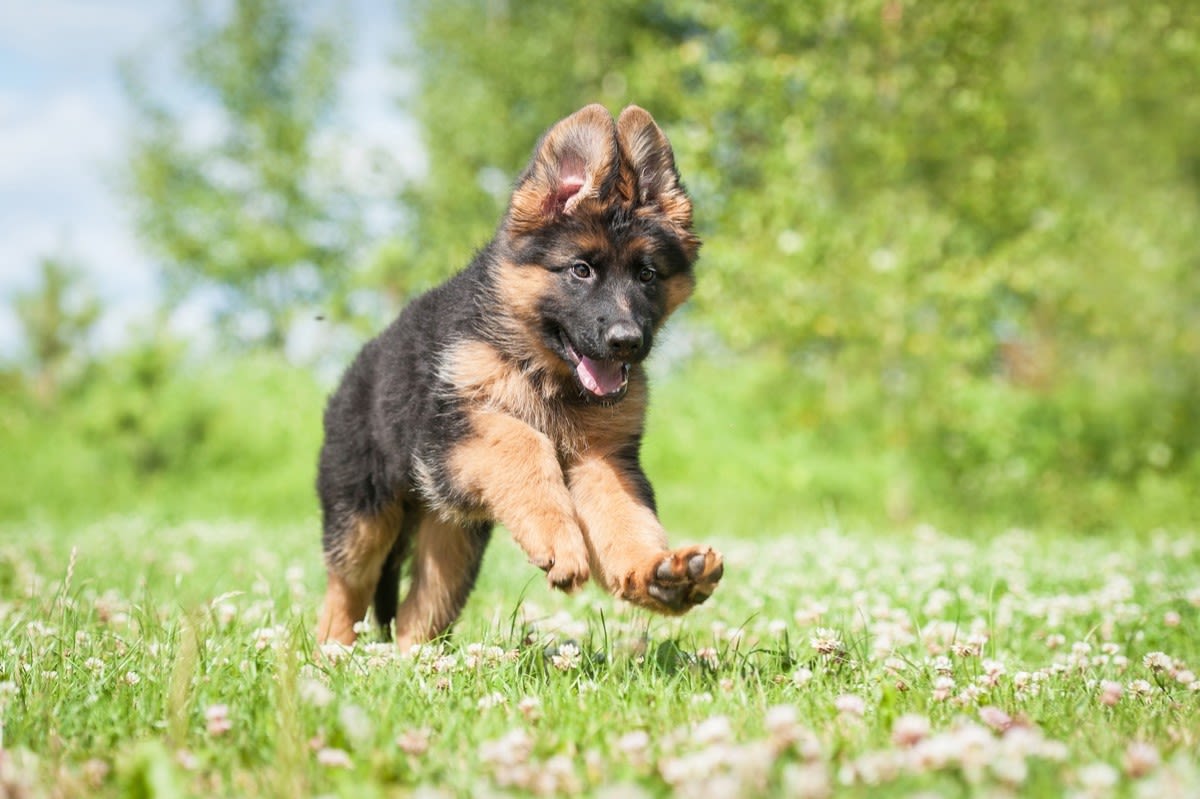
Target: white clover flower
414, 742
851, 705
942, 688
1010, 768
333, 758
801, 676
995, 718
314, 692
530, 707
216, 720
1098, 778
634, 743
780, 720
1110, 692
1140, 759
555, 777
8, 689
1141, 688
567, 657
825, 641
513, 748
225, 612
266, 636
807, 781
713, 730
908, 730
494, 699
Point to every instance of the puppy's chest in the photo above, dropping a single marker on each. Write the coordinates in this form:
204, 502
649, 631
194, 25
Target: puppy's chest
528, 398
476, 375
482, 381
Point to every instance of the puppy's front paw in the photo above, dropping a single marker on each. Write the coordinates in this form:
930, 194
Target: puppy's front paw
566, 569
676, 582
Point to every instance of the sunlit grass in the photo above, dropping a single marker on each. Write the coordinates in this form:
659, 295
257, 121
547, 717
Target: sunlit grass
179, 659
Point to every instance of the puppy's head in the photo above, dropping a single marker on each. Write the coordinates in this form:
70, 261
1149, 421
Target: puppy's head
599, 245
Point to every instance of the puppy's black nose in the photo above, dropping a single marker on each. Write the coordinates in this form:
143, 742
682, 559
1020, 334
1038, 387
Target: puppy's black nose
624, 340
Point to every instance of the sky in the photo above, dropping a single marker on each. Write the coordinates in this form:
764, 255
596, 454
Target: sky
64, 125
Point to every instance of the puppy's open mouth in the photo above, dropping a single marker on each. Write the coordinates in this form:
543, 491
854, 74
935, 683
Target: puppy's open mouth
606, 380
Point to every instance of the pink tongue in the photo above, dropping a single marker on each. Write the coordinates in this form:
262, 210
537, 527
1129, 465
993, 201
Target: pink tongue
600, 377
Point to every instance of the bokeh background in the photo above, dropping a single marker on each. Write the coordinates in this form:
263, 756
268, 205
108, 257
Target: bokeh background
951, 270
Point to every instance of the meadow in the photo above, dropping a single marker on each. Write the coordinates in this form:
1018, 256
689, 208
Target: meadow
160, 578
143, 658
935, 400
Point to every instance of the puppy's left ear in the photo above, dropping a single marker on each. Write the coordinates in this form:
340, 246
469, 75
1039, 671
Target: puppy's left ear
652, 177
575, 160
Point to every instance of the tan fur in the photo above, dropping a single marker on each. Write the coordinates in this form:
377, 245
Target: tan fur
513, 471
628, 545
520, 288
353, 571
444, 563
677, 289
345, 605
479, 373
622, 533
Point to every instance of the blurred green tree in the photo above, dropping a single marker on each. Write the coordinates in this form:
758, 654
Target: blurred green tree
245, 203
57, 318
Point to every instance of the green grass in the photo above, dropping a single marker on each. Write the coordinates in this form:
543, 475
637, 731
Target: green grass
141, 659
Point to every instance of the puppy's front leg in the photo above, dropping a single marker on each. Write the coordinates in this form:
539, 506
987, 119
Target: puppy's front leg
629, 551
512, 470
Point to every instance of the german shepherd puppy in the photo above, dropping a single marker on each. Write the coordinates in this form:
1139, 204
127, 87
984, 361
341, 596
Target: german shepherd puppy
515, 393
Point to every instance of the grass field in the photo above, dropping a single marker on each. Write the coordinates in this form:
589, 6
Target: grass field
139, 659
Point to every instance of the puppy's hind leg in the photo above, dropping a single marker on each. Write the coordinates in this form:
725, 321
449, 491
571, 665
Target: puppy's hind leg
356, 548
445, 563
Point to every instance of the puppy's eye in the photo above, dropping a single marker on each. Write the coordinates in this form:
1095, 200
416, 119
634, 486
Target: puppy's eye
581, 270
647, 274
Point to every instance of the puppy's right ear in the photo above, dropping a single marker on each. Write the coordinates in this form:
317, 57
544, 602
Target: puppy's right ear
575, 160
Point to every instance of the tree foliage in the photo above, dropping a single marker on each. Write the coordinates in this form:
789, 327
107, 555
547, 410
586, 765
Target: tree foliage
971, 229
57, 317
241, 201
